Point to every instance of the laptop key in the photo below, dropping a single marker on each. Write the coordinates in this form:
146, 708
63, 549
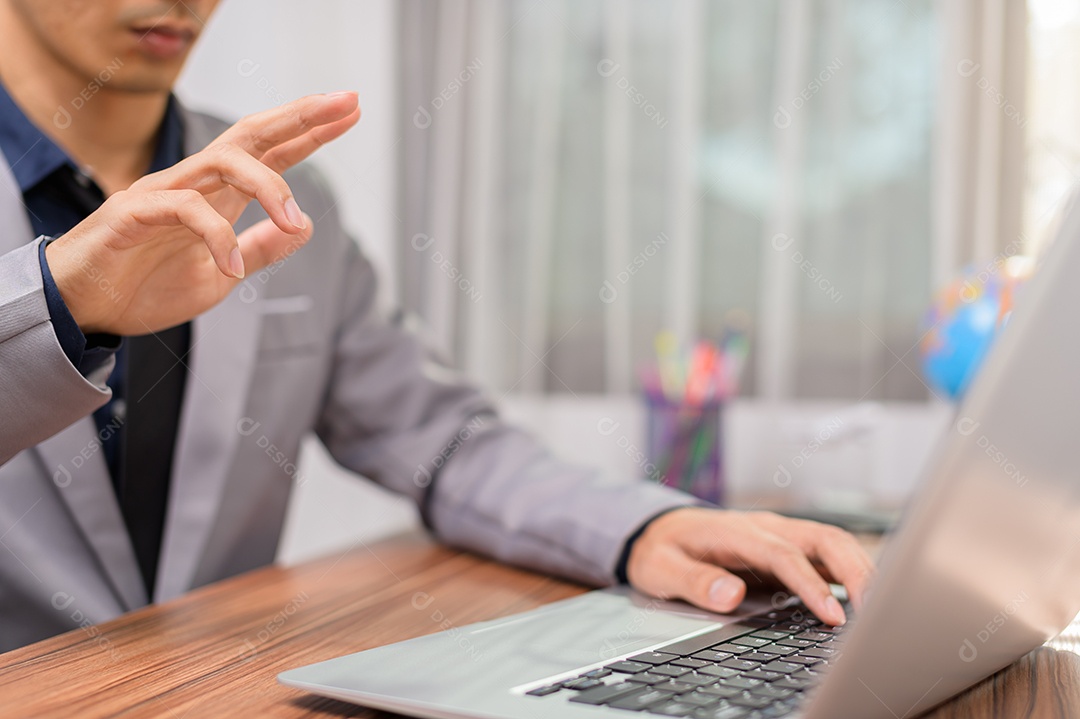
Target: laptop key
719, 672
582, 683
720, 691
689, 662
699, 699
672, 708
797, 643
756, 656
771, 692
783, 667
646, 678
741, 683
770, 634
710, 655
640, 699
814, 636
627, 667
790, 682
544, 691
722, 712
697, 680
751, 641
762, 675
808, 674
751, 701
805, 661
826, 629
778, 650
674, 686
789, 627
739, 664
669, 671
819, 652
653, 658
597, 673
605, 693
732, 648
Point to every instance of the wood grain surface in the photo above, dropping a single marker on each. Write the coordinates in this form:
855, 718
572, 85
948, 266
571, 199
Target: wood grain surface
216, 651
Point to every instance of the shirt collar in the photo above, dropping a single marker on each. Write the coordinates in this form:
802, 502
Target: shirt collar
170, 141
32, 156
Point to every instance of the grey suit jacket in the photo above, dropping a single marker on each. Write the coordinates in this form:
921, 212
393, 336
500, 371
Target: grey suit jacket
300, 347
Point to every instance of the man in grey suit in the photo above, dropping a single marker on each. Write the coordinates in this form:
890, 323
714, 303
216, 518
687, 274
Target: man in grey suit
134, 469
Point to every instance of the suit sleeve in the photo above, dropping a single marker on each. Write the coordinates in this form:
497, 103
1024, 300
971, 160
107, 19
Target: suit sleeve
41, 391
396, 413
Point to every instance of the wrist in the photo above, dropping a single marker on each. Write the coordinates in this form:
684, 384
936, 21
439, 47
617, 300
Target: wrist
631, 554
77, 280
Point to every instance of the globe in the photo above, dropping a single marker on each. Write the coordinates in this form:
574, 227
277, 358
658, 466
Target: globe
963, 321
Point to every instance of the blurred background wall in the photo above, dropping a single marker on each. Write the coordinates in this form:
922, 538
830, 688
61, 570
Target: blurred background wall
550, 183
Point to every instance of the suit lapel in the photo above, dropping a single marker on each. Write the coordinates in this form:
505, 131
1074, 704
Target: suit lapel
15, 230
72, 459
224, 350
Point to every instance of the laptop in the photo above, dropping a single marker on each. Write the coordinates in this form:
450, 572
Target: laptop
984, 567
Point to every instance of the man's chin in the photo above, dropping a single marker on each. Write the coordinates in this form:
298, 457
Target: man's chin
144, 83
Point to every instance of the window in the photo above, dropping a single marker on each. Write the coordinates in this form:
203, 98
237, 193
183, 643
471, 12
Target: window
582, 175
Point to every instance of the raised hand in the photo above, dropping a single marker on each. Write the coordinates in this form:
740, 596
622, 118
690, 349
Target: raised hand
164, 250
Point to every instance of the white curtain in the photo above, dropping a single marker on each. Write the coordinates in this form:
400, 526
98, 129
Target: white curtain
580, 174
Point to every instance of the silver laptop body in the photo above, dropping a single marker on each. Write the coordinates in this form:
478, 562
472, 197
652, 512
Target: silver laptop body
984, 568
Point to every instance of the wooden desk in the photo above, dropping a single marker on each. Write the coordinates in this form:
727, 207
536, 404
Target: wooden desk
216, 651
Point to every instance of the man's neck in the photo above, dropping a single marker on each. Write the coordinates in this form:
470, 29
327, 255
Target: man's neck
108, 132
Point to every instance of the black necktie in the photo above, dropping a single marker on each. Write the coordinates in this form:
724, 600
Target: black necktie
156, 374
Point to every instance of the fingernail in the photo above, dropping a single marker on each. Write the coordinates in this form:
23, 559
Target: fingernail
341, 94
236, 263
832, 606
292, 211
723, 592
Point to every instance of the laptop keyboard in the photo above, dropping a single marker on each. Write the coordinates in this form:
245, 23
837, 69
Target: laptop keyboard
754, 668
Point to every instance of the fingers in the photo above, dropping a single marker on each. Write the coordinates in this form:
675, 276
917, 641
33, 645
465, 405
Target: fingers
264, 243
258, 134
133, 214
791, 566
671, 573
838, 551
227, 165
766, 552
293, 152
251, 154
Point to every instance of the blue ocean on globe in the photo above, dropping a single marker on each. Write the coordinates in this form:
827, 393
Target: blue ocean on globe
962, 323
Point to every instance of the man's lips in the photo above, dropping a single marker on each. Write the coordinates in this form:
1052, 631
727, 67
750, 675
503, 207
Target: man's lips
164, 41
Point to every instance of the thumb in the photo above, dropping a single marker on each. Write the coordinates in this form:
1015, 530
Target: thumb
677, 575
264, 243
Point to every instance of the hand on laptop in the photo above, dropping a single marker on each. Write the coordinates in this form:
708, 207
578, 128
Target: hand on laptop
163, 251
692, 553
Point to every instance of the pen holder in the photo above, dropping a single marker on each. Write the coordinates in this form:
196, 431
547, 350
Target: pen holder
684, 444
